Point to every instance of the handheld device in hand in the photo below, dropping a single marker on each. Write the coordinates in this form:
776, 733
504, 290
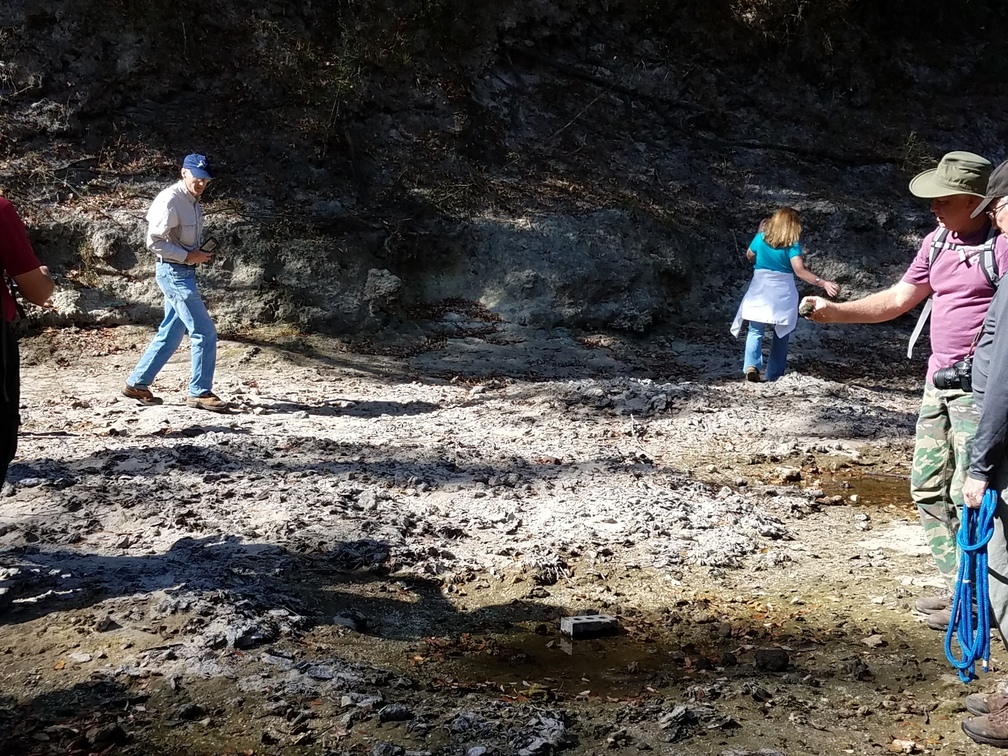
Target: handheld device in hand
209, 245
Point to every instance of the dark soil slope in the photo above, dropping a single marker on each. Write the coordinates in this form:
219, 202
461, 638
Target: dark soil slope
586, 164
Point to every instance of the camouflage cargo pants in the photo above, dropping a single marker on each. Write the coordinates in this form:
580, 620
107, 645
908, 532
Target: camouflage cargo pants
945, 429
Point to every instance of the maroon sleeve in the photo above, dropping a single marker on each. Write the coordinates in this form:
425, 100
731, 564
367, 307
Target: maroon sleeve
918, 273
16, 252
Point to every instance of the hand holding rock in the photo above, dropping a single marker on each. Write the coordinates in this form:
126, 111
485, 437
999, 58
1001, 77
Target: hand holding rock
817, 308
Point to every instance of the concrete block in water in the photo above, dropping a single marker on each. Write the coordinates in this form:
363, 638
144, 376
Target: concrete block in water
588, 625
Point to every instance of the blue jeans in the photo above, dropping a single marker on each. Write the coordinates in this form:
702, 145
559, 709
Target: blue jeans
184, 311
777, 361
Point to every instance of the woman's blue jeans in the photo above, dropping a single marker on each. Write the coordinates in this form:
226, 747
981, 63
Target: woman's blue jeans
184, 312
777, 360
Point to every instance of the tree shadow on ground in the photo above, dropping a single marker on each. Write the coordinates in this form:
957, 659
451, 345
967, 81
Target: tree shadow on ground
99, 717
350, 582
394, 463
336, 406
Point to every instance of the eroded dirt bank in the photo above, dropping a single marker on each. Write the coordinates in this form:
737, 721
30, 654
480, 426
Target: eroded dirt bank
372, 553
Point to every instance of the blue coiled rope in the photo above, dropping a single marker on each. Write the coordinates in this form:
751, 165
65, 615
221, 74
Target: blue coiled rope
972, 629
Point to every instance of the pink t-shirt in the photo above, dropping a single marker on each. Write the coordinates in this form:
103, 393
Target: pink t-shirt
961, 293
16, 255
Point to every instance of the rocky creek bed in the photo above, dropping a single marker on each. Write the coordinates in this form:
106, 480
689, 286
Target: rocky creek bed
372, 554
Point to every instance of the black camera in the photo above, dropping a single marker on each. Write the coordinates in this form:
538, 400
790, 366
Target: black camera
958, 376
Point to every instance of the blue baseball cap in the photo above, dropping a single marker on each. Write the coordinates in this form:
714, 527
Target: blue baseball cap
197, 165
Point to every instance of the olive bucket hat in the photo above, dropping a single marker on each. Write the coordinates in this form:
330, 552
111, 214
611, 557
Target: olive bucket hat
957, 173
997, 187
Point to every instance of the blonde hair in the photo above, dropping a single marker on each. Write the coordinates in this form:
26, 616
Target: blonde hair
782, 229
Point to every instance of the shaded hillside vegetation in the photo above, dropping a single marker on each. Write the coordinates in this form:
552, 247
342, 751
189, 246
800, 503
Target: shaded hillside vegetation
587, 164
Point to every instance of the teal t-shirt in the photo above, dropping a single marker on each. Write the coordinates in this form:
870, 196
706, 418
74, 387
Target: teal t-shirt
769, 258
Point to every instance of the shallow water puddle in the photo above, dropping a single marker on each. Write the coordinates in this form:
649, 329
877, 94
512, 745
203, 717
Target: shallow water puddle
533, 664
870, 490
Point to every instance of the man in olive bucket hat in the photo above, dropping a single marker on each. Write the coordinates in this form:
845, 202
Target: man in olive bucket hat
953, 267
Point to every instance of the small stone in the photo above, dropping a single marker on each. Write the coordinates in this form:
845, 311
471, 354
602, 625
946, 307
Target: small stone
772, 660
109, 735
190, 711
269, 738
353, 620
394, 712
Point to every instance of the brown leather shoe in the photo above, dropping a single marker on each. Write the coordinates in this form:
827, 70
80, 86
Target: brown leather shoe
208, 401
142, 395
752, 374
985, 703
990, 729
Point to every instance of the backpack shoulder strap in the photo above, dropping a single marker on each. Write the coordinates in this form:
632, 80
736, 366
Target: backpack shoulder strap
937, 245
925, 313
988, 260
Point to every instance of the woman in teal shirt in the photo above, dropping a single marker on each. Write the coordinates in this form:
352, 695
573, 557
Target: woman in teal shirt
772, 298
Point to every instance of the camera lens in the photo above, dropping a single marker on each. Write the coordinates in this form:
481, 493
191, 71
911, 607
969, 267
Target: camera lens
946, 378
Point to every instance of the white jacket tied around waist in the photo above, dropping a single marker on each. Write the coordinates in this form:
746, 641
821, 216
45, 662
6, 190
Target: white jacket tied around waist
772, 297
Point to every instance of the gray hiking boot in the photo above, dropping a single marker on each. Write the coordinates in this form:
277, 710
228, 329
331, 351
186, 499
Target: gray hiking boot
929, 604
990, 729
938, 620
985, 703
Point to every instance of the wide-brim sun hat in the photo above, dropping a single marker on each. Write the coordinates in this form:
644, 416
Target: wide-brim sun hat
997, 187
956, 173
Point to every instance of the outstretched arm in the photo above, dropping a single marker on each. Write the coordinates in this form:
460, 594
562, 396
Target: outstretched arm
806, 275
879, 307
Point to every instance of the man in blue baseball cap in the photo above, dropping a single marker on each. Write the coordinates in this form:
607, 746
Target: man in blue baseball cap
197, 166
174, 233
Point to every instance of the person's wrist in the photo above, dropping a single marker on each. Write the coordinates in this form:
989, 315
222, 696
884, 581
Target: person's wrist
818, 281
